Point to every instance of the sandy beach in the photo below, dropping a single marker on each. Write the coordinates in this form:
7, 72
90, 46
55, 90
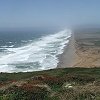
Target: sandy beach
68, 57
83, 50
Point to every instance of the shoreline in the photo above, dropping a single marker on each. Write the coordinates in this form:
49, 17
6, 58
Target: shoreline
67, 58
83, 50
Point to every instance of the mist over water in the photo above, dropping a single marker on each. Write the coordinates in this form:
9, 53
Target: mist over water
34, 53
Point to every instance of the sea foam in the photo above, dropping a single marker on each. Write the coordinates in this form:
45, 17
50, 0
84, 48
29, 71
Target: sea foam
40, 54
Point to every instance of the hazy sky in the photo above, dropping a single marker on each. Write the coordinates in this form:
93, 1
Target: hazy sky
43, 13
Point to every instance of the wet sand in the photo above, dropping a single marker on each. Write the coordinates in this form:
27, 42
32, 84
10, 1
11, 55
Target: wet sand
67, 59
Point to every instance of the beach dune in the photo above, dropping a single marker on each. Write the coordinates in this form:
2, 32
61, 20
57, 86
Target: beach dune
83, 50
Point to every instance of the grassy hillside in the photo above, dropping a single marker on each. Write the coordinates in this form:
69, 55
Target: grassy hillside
55, 84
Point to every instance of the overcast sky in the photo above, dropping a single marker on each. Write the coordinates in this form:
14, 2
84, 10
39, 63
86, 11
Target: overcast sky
46, 13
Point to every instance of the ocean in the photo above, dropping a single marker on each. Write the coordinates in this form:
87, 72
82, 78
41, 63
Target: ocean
31, 51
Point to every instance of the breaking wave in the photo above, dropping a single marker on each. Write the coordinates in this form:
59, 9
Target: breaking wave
40, 54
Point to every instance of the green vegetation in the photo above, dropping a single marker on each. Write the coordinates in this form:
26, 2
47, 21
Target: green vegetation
55, 84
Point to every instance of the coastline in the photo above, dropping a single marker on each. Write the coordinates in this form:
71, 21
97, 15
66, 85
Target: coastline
67, 58
83, 50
